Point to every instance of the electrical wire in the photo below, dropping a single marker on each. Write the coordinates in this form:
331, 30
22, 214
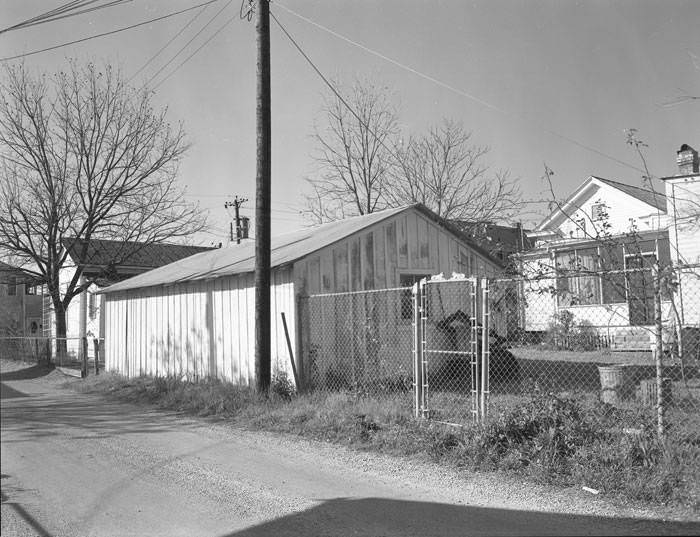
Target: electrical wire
453, 89
172, 59
183, 62
332, 88
124, 28
184, 27
70, 13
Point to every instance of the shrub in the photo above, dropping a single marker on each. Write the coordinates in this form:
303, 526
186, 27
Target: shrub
282, 386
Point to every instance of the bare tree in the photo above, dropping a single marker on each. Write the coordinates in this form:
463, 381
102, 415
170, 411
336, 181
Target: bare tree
84, 157
353, 155
446, 172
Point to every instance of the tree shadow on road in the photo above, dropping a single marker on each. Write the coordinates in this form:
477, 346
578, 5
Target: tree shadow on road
82, 416
379, 516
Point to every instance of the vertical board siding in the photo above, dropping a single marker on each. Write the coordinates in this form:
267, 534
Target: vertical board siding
197, 329
367, 253
402, 241
206, 328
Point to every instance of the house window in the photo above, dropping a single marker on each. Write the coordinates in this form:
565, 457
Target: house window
578, 282
599, 212
613, 282
611, 274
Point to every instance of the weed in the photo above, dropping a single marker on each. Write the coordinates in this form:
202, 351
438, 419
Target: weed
548, 438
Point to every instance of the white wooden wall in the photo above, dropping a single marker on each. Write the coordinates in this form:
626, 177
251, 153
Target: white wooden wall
198, 329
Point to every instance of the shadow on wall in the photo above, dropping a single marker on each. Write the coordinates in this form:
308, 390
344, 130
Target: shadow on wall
378, 516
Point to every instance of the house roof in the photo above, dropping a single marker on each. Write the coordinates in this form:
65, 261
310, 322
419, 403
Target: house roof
655, 199
14, 275
285, 249
105, 253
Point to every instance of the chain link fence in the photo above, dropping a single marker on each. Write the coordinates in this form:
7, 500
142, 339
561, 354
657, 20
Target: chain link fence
75, 355
623, 345
629, 353
360, 342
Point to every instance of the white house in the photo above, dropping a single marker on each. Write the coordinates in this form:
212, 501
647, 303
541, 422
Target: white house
580, 251
195, 317
683, 194
104, 262
594, 253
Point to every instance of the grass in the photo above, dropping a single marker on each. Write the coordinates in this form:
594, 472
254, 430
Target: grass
548, 439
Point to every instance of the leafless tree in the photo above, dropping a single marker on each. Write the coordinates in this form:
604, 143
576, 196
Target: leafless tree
84, 157
446, 172
353, 154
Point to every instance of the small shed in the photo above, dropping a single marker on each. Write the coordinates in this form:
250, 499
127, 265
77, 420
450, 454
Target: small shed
195, 317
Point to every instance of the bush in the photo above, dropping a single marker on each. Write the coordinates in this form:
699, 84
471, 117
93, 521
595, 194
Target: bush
282, 386
564, 333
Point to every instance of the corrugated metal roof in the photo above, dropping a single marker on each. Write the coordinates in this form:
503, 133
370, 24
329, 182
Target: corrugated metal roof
285, 248
240, 258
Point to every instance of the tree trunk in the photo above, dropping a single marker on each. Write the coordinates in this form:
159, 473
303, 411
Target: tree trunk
61, 342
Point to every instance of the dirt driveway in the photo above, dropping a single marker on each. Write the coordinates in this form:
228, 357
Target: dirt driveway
75, 464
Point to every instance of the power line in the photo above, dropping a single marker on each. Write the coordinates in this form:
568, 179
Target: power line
163, 17
52, 14
184, 27
332, 88
171, 60
183, 62
455, 90
68, 15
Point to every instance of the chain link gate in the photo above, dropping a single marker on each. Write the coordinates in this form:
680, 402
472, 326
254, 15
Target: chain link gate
452, 349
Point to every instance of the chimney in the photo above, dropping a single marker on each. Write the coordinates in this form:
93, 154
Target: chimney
687, 160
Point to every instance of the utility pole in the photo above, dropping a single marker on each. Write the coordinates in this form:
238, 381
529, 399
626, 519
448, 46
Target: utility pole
263, 182
236, 204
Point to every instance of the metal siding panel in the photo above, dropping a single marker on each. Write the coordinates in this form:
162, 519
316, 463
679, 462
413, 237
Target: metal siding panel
250, 293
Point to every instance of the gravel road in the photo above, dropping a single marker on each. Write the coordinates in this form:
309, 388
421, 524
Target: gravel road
81, 465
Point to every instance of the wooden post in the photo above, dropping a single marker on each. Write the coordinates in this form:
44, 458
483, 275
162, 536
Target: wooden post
291, 351
96, 347
263, 182
84, 347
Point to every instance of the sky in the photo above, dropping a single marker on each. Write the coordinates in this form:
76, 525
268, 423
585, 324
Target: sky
555, 82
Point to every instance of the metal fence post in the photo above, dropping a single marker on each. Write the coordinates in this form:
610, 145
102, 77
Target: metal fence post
417, 352
84, 346
96, 347
474, 348
485, 354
